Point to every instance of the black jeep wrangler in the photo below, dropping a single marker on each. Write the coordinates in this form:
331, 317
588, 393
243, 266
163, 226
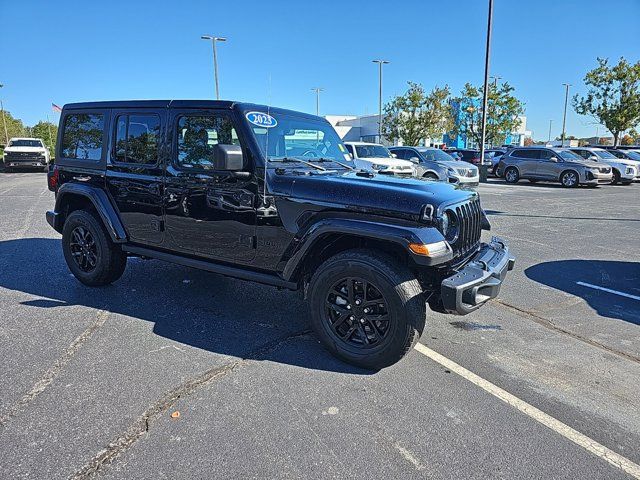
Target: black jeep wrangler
270, 195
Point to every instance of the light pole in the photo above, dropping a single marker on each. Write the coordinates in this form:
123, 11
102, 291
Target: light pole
215, 58
4, 121
564, 115
317, 90
495, 80
550, 122
483, 168
380, 63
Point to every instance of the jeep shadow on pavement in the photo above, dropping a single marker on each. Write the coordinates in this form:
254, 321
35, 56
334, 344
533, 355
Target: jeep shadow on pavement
271, 196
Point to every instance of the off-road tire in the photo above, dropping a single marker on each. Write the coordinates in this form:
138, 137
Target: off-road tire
111, 260
514, 177
404, 302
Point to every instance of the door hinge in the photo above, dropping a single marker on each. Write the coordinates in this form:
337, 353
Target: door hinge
248, 241
157, 225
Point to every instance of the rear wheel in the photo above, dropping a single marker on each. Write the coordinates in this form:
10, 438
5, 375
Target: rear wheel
366, 308
569, 179
90, 254
511, 175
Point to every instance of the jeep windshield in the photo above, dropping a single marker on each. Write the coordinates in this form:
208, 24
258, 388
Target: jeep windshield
372, 151
25, 143
300, 138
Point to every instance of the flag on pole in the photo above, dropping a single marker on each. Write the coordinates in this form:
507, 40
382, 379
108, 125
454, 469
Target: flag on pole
56, 108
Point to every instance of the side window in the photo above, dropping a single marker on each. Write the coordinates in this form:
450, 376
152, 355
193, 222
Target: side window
82, 136
349, 149
197, 135
401, 153
546, 154
583, 153
137, 139
518, 154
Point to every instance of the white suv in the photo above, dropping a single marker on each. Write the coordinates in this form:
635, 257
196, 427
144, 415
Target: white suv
624, 171
26, 152
378, 158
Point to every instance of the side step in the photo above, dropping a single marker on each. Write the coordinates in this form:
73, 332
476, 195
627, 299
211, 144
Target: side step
225, 270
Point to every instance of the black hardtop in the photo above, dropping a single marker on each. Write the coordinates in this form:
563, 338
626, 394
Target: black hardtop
228, 104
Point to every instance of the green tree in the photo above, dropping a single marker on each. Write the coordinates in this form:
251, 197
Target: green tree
613, 96
416, 115
48, 132
503, 110
15, 127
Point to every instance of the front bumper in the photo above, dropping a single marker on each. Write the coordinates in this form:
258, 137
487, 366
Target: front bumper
479, 280
25, 162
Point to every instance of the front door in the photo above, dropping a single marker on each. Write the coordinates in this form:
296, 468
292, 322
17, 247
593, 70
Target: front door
135, 170
549, 169
208, 213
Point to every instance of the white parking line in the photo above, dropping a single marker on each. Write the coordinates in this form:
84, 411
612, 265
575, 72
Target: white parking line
604, 289
557, 426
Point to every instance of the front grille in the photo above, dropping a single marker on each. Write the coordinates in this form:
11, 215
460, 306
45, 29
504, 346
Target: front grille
605, 170
23, 156
469, 216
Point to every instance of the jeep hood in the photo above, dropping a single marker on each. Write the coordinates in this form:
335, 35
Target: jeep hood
372, 193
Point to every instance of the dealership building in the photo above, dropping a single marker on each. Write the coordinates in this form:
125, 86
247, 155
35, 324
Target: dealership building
352, 128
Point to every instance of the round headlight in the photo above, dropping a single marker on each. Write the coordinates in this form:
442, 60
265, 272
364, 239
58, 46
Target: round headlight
450, 225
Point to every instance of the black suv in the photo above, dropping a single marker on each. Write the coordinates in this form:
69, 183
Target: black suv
270, 195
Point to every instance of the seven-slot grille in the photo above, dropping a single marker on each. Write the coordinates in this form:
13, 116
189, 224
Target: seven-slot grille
469, 215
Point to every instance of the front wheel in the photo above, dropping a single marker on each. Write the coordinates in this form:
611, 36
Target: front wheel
569, 179
366, 308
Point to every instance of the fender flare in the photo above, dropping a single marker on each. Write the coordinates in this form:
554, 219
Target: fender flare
100, 201
401, 235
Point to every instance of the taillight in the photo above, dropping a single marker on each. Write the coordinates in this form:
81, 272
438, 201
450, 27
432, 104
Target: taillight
53, 178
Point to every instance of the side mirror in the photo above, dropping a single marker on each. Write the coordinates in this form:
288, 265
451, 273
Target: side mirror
553, 159
228, 157
593, 157
394, 155
415, 159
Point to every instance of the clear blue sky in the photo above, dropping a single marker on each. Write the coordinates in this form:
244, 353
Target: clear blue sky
277, 51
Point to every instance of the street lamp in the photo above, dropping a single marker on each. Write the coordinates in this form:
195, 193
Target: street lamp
317, 90
4, 120
215, 59
550, 122
495, 80
483, 167
380, 63
564, 115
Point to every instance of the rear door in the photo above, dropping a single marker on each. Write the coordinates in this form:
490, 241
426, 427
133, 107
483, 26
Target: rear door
134, 175
208, 213
526, 161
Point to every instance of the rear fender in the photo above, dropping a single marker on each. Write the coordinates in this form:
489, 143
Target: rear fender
100, 201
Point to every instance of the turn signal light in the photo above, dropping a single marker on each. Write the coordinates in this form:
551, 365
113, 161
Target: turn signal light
429, 249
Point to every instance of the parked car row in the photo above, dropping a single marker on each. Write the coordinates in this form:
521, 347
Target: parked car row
569, 166
423, 162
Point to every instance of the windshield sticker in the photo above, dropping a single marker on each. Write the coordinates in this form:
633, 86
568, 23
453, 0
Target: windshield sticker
342, 148
261, 119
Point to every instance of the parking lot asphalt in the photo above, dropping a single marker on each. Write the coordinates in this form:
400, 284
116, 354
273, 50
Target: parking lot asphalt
178, 373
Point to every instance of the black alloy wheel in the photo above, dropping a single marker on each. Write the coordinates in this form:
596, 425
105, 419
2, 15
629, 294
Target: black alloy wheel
356, 312
83, 249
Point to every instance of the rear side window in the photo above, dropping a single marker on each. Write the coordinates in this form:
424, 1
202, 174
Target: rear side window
526, 153
82, 136
137, 139
197, 135
349, 148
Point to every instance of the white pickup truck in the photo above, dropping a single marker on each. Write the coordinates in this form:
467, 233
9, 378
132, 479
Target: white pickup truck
26, 153
378, 158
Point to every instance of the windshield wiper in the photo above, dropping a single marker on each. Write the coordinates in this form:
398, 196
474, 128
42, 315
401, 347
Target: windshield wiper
297, 160
322, 159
